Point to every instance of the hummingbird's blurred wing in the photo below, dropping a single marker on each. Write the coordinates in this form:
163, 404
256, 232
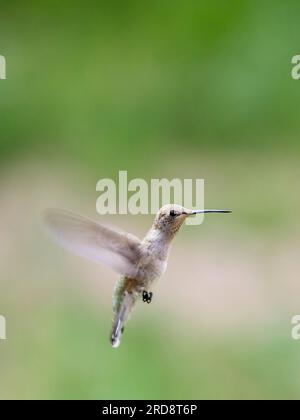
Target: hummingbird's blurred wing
89, 239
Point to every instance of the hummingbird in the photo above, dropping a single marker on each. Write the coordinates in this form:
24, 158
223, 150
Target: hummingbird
139, 262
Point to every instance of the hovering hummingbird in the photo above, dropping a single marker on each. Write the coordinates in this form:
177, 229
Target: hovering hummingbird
139, 262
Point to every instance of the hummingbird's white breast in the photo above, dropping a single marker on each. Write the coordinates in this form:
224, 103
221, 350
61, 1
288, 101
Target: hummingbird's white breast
154, 255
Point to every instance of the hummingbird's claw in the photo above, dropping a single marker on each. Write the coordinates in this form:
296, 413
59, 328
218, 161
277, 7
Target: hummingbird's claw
147, 297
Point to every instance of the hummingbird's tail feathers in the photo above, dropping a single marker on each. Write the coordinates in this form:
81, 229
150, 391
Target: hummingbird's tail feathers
82, 236
121, 317
116, 334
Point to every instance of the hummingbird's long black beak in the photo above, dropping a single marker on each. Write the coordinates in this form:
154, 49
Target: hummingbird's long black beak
210, 211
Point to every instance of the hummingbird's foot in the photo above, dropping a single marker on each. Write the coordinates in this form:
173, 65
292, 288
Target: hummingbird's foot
149, 300
147, 297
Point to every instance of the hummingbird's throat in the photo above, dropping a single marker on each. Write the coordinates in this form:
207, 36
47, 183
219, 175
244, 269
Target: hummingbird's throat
168, 230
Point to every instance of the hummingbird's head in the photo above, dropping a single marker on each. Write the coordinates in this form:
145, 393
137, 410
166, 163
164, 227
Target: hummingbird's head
171, 216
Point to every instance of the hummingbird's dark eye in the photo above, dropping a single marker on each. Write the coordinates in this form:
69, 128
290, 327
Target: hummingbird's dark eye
172, 213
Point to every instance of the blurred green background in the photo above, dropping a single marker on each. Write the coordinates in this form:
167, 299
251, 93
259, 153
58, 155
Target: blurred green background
198, 89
